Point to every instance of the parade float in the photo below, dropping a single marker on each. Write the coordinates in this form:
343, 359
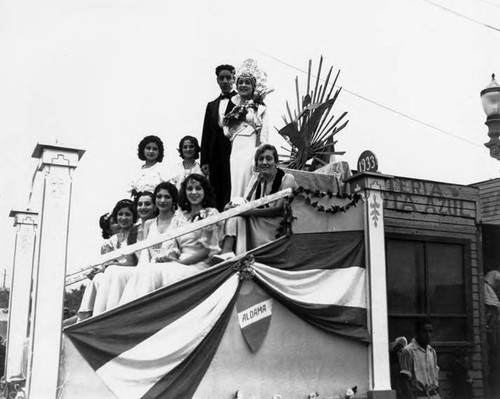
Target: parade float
302, 316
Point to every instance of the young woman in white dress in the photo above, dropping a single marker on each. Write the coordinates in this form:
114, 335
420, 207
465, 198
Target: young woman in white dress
145, 205
152, 172
166, 200
247, 125
104, 291
189, 151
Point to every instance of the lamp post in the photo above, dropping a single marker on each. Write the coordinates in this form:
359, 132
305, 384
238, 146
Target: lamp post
490, 98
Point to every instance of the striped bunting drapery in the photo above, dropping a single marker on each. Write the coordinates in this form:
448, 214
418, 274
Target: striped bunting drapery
162, 344
320, 277
333, 300
132, 350
310, 251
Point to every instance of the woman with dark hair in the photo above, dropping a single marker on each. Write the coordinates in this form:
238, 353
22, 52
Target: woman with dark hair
247, 124
261, 223
189, 151
104, 291
151, 151
196, 202
166, 199
145, 205
185, 255
108, 226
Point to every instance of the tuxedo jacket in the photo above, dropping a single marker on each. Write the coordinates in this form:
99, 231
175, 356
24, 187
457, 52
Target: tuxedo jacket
214, 145
215, 151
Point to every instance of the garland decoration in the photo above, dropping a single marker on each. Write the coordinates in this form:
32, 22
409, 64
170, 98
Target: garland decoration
285, 227
308, 195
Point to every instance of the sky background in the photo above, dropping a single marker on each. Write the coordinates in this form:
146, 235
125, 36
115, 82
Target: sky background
99, 75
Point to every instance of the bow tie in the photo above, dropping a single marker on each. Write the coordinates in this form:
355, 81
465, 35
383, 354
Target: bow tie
228, 95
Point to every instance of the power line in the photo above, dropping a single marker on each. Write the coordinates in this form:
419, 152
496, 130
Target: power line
490, 2
462, 15
379, 104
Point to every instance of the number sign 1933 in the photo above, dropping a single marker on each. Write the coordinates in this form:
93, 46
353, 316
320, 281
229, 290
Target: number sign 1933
367, 162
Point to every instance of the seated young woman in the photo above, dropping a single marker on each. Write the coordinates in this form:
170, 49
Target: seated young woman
259, 226
146, 211
108, 226
185, 255
100, 295
165, 200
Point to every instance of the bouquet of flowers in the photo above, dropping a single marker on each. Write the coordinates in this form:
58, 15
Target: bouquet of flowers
238, 113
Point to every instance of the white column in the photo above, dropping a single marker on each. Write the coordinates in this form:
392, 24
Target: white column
371, 185
57, 164
26, 222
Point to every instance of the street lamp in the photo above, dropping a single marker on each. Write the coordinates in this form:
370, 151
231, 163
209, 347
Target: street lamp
490, 98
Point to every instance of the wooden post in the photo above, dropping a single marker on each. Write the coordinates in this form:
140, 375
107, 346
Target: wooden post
371, 185
57, 164
20, 293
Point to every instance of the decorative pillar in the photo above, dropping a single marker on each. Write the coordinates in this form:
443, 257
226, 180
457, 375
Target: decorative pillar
57, 164
26, 222
371, 185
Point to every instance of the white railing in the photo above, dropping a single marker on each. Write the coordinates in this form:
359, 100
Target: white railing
129, 249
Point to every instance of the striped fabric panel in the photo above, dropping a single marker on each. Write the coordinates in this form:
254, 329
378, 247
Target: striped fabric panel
183, 381
333, 300
102, 338
330, 250
134, 372
343, 287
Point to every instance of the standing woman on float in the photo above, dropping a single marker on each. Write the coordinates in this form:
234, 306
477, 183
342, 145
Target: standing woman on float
247, 125
189, 151
152, 172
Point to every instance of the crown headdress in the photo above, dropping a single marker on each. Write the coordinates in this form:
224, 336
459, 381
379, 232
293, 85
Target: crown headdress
250, 67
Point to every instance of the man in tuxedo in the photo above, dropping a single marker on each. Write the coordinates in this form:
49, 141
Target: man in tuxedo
215, 147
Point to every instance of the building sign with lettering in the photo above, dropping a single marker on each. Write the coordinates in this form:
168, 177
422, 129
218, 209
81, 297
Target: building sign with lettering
427, 197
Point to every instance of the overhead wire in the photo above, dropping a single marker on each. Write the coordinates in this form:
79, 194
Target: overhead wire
462, 15
490, 2
390, 109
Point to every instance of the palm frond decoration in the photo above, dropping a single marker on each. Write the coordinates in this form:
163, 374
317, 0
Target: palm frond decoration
310, 129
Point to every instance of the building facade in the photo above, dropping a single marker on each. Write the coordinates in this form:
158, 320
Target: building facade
434, 268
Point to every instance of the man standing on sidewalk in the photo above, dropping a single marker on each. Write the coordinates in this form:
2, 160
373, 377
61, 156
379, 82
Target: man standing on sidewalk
418, 361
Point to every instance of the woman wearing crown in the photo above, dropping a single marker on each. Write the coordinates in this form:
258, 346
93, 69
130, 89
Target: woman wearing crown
247, 124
